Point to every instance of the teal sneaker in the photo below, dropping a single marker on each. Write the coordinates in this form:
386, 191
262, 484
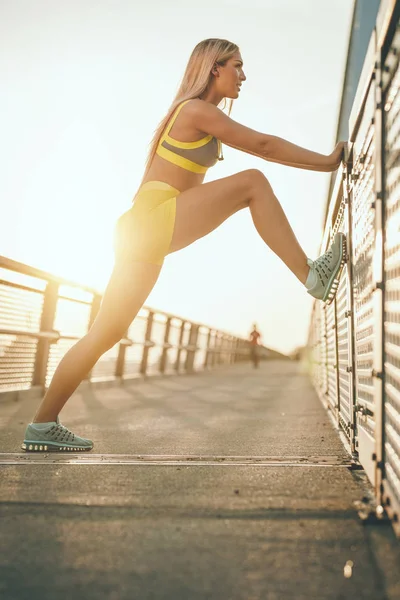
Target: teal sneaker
325, 271
54, 438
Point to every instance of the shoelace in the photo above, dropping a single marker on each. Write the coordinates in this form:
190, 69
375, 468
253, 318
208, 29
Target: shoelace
61, 433
321, 263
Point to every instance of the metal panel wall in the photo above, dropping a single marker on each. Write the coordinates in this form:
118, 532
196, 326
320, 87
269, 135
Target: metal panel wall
363, 247
391, 261
368, 299
343, 306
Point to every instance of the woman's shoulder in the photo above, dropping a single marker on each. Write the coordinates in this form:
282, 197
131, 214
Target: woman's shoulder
195, 110
194, 104
190, 110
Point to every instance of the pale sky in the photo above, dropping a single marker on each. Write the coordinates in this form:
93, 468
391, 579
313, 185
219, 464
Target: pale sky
84, 83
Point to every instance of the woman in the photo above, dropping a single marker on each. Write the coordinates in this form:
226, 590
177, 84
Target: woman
173, 208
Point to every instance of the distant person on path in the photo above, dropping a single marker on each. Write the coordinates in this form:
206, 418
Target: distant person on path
255, 336
173, 208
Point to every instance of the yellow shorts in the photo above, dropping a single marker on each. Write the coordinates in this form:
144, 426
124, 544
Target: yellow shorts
144, 232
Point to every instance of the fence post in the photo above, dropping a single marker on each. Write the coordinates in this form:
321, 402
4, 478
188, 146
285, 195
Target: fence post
178, 354
46, 324
147, 343
213, 353
207, 356
235, 350
222, 354
120, 364
96, 302
167, 345
191, 350
231, 350
218, 347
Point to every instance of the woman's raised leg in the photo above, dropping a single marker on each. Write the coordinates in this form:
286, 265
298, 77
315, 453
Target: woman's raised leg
203, 208
129, 286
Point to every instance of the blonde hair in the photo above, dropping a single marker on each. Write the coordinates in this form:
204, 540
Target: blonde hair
195, 81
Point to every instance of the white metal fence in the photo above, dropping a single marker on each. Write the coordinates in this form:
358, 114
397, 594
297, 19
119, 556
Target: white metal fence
354, 343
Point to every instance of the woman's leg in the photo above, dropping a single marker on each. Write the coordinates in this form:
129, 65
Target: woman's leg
126, 292
199, 211
203, 208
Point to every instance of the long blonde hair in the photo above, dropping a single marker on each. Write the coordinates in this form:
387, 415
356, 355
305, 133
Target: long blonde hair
195, 81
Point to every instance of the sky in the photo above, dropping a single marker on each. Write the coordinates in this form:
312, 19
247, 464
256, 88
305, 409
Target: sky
84, 84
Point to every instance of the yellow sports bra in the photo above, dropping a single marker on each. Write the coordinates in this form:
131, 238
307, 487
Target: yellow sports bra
197, 157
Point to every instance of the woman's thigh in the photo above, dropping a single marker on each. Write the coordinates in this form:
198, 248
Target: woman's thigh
203, 208
126, 292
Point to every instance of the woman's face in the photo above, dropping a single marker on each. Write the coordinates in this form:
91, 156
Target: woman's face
232, 76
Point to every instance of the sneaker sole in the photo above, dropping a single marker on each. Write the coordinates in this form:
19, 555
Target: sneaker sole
32, 446
333, 282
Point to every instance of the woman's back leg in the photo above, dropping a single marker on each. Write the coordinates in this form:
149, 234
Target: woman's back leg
128, 288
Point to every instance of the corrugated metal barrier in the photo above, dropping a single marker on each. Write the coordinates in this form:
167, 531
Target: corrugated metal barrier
354, 343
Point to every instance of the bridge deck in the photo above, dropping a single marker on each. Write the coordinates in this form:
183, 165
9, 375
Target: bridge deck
232, 484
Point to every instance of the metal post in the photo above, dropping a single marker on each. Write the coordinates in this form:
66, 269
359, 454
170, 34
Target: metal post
217, 348
96, 303
231, 349
120, 364
236, 350
222, 348
147, 343
208, 353
178, 355
167, 345
213, 347
191, 350
46, 324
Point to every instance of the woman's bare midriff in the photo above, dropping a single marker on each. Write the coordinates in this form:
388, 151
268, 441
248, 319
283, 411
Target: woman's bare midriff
163, 170
179, 178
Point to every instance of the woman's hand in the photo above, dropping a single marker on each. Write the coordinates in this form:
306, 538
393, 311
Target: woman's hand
337, 156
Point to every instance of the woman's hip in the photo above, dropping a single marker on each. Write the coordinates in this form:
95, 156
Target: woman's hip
145, 230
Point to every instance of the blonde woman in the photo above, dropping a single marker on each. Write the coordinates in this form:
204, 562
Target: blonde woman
172, 208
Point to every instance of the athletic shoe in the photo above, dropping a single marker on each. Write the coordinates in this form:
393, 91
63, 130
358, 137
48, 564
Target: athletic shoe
54, 438
325, 271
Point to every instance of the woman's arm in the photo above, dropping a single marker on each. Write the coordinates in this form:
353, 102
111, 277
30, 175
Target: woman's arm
285, 153
207, 118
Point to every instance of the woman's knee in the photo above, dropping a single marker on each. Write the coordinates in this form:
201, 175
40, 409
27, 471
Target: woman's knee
103, 338
256, 178
99, 344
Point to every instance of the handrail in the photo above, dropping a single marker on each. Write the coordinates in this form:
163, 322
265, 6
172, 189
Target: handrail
36, 330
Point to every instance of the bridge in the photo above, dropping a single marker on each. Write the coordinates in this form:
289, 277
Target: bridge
210, 478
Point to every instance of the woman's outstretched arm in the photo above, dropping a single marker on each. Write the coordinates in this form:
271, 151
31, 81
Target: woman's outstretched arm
286, 153
207, 118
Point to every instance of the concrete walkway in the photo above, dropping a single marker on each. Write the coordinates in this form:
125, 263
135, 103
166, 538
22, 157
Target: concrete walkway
229, 485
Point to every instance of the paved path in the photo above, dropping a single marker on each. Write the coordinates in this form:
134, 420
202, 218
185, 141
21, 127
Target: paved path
229, 485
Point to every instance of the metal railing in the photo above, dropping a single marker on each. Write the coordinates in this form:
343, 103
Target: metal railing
354, 343
42, 316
